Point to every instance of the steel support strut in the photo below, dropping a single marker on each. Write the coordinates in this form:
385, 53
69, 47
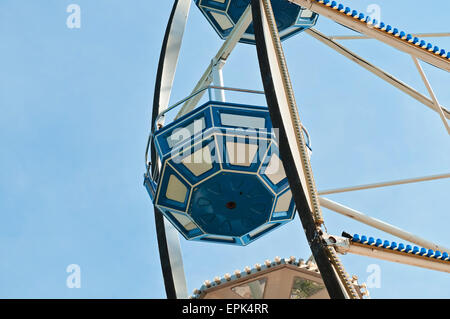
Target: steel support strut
382, 36
384, 184
272, 65
376, 71
379, 224
384, 252
219, 60
433, 96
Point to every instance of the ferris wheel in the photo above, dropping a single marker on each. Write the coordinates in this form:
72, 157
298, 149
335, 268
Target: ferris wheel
229, 173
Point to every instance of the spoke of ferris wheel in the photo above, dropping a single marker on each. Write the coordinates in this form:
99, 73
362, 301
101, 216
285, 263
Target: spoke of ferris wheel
384, 184
398, 40
364, 37
219, 60
376, 70
378, 224
433, 96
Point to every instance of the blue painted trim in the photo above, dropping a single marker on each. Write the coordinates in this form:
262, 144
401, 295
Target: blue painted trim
387, 28
407, 249
284, 183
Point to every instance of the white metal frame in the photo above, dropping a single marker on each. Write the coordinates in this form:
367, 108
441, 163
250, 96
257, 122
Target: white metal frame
345, 246
416, 53
375, 33
436, 104
213, 73
379, 224
376, 71
384, 184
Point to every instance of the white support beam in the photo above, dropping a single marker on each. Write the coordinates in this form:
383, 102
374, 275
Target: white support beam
376, 71
381, 225
433, 96
370, 31
217, 76
384, 184
221, 56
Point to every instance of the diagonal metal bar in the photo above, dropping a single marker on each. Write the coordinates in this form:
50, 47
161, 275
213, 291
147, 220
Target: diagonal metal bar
380, 35
378, 224
383, 184
221, 56
375, 70
433, 96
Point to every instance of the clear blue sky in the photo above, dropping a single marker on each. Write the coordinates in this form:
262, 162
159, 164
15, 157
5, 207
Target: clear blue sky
74, 118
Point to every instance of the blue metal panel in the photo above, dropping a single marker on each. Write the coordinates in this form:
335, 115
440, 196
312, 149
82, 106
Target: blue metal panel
250, 238
231, 241
241, 156
161, 197
218, 110
214, 4
174, 128
231, 204
281, 185
206, 142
